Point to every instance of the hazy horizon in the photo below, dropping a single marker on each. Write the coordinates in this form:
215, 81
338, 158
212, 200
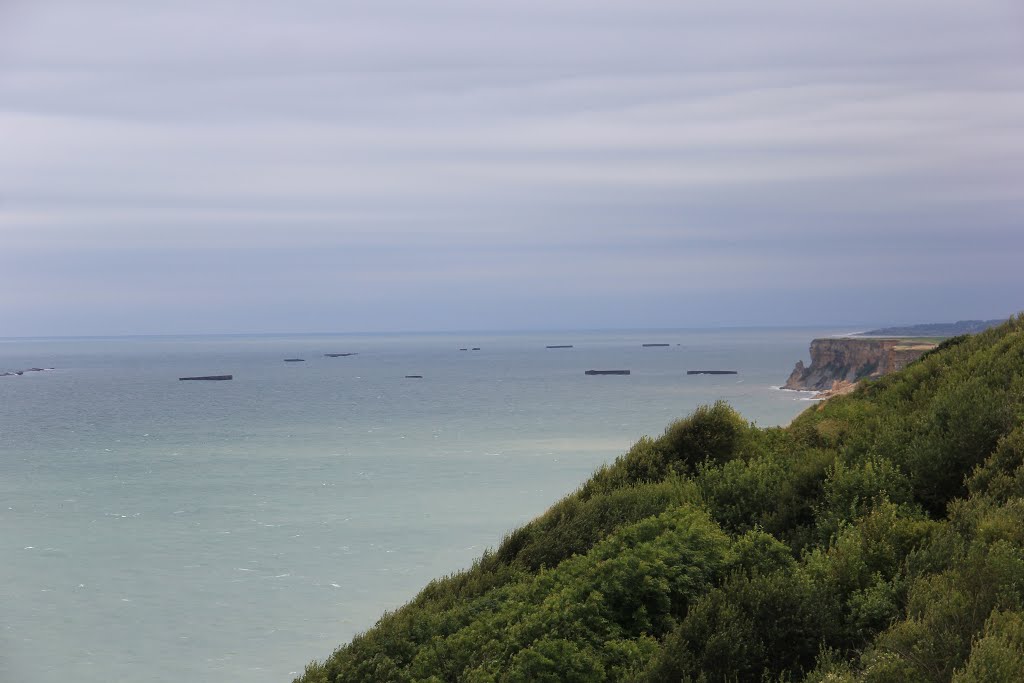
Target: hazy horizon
224, 167
848, 328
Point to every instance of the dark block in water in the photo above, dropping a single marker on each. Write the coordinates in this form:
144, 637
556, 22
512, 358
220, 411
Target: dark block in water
211, 378
559, 346
656, 345
294, 360
16, 373
414, 376
606, 372
339, 355
711, 372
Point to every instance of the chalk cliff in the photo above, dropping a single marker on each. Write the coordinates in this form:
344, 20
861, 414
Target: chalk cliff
849, 360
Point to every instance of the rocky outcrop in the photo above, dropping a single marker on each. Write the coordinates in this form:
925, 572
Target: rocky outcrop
18, 373
849, 360
839, 388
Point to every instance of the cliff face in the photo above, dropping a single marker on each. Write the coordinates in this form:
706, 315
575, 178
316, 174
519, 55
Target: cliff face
849, 360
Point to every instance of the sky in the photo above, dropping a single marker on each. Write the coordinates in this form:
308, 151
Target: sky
204, 166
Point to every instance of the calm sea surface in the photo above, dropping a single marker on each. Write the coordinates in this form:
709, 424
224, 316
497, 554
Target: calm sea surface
157, 530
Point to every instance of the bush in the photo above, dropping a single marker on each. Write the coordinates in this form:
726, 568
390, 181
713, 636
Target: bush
998, 656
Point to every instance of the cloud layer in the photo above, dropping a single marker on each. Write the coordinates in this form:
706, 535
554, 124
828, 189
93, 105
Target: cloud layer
198, 166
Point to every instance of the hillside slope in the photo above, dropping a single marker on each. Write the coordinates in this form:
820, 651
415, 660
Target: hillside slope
879, 537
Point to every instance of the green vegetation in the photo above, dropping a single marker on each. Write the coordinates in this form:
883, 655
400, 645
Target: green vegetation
879, 537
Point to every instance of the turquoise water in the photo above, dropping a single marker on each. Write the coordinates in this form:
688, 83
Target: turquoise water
160, 530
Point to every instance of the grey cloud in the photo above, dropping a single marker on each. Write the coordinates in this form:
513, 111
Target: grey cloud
640, 151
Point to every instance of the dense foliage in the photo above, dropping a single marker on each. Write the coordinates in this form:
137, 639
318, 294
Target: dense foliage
879, 537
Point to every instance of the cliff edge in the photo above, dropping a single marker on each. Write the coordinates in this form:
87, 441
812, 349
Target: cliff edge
850, 360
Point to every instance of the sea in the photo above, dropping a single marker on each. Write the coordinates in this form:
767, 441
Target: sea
158, 530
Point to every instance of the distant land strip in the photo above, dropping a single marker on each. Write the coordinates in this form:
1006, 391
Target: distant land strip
934, 329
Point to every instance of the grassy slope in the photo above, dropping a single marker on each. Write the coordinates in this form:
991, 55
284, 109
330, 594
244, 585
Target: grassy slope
879, 537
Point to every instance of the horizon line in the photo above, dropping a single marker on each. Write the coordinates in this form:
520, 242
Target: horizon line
436, 332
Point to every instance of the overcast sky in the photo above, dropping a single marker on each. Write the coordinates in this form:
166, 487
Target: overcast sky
198, 166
